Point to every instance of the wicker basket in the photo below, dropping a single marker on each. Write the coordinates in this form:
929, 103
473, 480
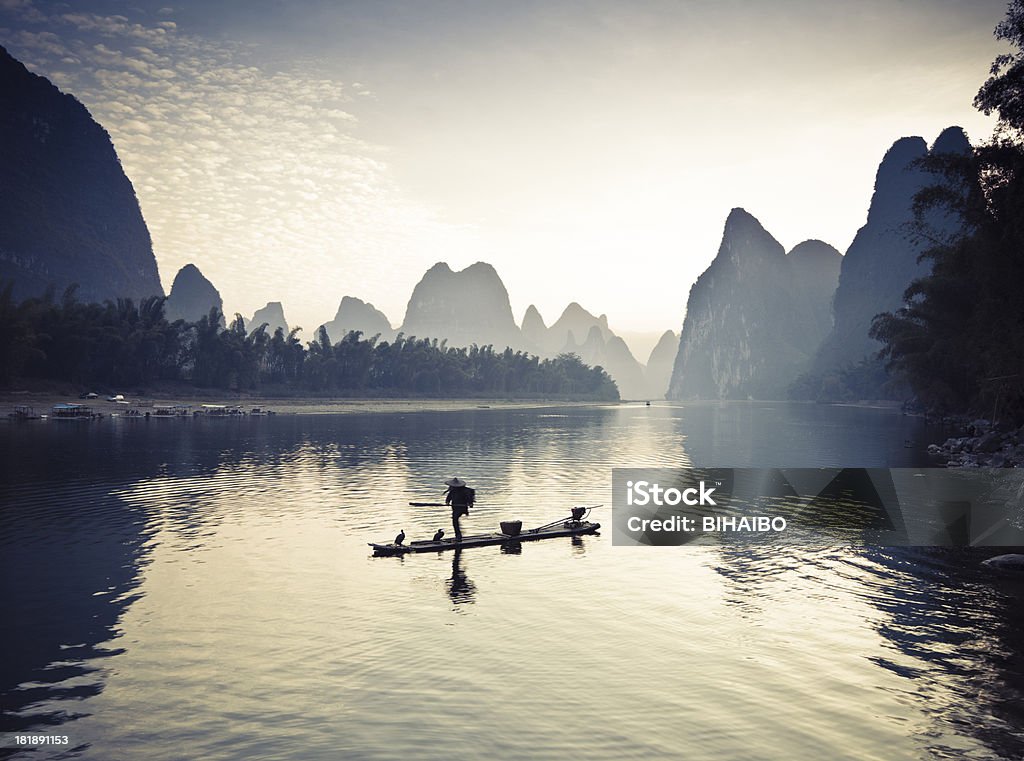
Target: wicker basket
511, 528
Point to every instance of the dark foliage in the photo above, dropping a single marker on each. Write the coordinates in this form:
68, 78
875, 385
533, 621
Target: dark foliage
121, 344
1003, 91
959, 338
865, 380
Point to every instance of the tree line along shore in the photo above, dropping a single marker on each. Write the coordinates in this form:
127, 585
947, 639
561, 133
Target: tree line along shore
184, 403
124, 344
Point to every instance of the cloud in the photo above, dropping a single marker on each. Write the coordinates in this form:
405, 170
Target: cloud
257, 176
23, 9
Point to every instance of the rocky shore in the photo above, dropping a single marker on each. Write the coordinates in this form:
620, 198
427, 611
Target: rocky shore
982, 445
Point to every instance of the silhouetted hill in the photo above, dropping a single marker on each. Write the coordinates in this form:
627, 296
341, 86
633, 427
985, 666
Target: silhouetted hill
356, 314
472, 306
658, 372
814, 267
750, 325
577, 322
272, 314
601, 347
192, 296
467, 307
883, 258
69, 214
533, 329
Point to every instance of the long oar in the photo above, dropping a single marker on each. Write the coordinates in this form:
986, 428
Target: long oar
428, 504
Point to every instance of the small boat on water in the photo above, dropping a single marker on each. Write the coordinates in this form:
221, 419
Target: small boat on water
23, 412
220, 410
171, 410
65, 411
571, 526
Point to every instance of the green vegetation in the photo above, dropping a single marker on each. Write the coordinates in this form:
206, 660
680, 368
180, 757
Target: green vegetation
123, 344
868, 379
959, 339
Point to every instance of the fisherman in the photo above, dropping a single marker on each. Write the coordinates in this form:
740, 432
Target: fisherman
461, 498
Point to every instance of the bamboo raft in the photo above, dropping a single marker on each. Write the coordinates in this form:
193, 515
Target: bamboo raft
572, 526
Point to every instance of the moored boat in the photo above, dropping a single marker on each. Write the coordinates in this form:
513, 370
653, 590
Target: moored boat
130, 412
23, 412
220, 410
65, 411
170, 410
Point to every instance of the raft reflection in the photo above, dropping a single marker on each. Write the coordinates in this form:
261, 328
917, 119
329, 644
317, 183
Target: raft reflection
460, 588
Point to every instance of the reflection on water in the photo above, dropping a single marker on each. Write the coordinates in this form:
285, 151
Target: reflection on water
460, 588
958, 642
203, 589
951, 634
63, 598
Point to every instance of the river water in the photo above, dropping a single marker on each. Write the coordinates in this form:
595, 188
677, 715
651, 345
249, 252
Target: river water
203, 589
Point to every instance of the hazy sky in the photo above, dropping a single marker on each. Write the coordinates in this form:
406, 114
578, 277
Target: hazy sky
590, 151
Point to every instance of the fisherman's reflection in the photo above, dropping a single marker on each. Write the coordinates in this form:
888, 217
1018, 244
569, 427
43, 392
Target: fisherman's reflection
460, 588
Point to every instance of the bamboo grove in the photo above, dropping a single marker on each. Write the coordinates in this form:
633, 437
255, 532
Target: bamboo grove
127, 345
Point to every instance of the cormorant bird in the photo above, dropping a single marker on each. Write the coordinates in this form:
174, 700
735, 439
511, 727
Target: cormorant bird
400, 538
438, 535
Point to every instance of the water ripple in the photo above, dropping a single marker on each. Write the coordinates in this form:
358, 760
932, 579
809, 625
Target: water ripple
206, 590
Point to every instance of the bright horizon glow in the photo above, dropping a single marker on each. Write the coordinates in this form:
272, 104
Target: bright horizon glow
322, 150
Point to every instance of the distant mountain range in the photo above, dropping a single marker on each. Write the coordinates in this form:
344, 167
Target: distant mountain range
758, 319
472, 307
69, 214
462, 308
192, 297
579, 332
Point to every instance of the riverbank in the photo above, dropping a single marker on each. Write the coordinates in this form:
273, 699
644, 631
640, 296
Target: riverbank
42, 402
982, 446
